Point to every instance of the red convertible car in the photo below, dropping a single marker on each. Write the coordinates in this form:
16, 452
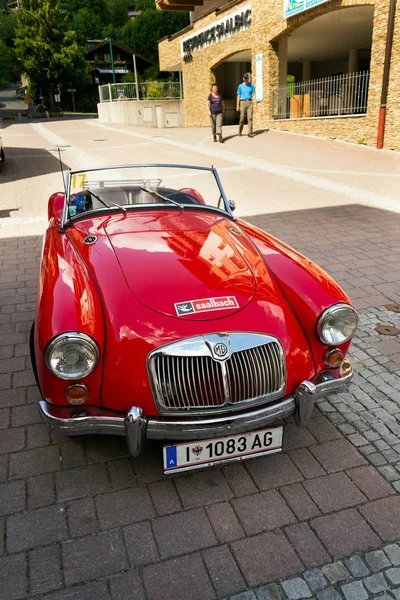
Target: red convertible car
162, 316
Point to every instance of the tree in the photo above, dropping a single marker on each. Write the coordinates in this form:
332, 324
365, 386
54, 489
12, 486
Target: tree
142, 5
5, 64
8, 21
143, 34
97, 9
118, 12
47, 48
87, 25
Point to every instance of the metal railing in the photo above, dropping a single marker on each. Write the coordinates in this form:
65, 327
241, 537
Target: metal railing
148, 90
338, 95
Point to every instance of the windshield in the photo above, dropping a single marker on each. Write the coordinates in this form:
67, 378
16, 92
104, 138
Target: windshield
131, 187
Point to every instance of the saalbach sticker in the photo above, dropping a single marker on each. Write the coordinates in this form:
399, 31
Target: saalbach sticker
206, 305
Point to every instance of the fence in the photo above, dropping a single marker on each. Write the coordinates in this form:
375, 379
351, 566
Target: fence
327, 97
149, 90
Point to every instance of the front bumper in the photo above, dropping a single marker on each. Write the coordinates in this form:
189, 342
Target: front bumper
137, 427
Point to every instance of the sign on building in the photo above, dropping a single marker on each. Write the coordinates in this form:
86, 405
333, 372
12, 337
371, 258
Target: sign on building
292, 7
222, 29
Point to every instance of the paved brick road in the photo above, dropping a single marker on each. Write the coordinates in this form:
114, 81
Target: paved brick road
81, 520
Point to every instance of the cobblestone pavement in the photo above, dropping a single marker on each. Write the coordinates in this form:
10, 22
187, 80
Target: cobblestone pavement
375, 574
79, 519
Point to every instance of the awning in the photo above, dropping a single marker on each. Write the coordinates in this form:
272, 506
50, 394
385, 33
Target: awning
116, 71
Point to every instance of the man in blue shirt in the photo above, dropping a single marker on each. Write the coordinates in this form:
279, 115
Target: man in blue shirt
244, 103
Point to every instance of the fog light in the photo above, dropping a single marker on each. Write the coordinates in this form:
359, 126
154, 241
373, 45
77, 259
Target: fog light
346, 368
77, 393
333, 357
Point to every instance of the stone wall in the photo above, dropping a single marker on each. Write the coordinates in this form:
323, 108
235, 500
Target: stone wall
142, 113
267, 27
392, 130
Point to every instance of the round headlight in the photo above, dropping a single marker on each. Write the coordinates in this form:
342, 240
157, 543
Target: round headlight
337, 324
72, 355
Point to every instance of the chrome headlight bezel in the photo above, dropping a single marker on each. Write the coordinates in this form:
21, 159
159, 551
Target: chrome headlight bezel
75, 337
330, 313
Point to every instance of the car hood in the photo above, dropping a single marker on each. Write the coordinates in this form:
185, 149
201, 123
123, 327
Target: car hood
186, 266
158, 259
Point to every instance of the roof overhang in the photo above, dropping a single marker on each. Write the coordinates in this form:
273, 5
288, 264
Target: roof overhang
181, 5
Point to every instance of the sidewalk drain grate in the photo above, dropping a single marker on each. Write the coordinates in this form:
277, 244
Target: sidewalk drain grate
387, 330
393, 307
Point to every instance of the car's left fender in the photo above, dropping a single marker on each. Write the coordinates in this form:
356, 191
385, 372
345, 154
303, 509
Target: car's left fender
67, 301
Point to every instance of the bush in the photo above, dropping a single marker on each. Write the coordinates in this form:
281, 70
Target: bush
87, 105
41, 108
151, 73
173, 91
129, 77
155, 90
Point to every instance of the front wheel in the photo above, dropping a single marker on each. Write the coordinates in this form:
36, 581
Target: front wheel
2, 155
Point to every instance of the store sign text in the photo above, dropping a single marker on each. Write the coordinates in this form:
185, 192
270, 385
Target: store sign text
222, 29
292, 7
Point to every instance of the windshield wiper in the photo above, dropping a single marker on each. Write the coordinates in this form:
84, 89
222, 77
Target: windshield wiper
100, 199
157, 195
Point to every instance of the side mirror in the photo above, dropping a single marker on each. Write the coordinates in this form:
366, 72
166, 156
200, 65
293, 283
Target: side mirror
232, 205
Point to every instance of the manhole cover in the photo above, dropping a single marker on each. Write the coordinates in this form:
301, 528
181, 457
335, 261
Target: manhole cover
393, 307
101, 140
387, 330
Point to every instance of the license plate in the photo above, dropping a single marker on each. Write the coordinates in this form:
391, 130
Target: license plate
204, 453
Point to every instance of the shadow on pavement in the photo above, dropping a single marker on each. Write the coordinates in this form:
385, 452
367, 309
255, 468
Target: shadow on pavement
24, 163
255, 133
357, 245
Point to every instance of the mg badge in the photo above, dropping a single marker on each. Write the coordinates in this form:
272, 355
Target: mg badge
220, 350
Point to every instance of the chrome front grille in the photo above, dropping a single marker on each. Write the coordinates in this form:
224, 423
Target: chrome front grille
255, 372
188, 376
189, 381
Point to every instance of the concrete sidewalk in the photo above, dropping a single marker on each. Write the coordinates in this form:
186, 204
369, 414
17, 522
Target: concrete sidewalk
273, 172
83, 520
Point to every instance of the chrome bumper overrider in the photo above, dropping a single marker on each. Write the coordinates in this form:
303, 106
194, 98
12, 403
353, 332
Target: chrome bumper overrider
137, 428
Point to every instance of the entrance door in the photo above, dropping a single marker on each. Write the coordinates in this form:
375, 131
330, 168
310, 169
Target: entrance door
228, 75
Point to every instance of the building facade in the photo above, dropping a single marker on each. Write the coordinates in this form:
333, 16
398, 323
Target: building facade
317, 65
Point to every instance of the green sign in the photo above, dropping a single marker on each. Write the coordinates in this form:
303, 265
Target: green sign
292, 7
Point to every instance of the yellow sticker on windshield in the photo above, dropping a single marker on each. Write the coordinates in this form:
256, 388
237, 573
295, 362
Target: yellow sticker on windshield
78, 181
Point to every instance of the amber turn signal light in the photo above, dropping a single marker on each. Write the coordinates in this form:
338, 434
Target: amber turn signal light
333, 357
77, 394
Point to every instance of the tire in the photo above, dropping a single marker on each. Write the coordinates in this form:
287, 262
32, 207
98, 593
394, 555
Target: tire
2, 155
